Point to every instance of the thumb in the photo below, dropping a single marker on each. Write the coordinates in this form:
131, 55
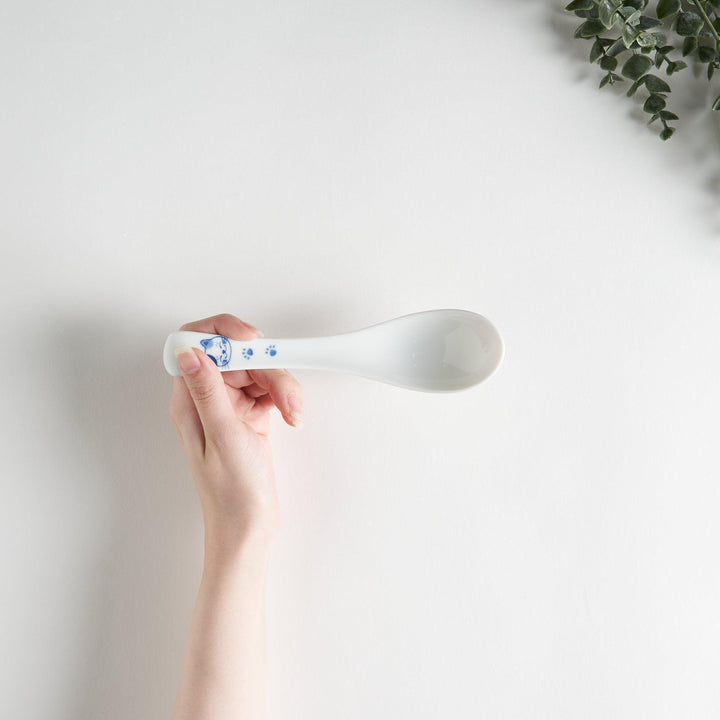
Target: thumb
207, 388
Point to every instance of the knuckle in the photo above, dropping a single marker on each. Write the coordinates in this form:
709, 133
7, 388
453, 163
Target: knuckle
225, 318
285, 378
189, 325
204, 393
281, 380
292, 386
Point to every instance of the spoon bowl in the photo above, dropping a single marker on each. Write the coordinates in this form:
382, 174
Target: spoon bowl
433, 351
430, 351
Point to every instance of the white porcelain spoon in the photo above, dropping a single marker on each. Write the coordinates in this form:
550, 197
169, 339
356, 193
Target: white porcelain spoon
433, 351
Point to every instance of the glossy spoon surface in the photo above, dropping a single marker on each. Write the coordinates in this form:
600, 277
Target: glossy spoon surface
432, 351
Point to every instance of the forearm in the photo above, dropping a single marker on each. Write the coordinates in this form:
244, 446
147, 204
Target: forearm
224, 676
223, 423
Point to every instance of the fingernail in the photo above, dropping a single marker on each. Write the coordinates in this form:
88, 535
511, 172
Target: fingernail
187, 360
260, 333
295, 410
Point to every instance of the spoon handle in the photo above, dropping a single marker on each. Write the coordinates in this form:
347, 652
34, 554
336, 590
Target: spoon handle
330, 352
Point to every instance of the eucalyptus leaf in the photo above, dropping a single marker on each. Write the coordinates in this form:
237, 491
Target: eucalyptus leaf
675, 66
666, 8
716, 104
608, 63
628, 34
633, 18
616, 48
633, 88
647, 22
654, 104
654, 84
689, 44
667, 133
706, 54
590, 28
596, 51
580, 5
606, 13
636, 66
688, 24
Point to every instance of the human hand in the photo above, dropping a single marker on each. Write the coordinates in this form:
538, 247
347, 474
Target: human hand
223, 420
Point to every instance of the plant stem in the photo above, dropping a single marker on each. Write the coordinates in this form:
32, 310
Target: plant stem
698, 4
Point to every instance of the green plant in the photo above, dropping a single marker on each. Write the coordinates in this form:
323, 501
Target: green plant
633, 32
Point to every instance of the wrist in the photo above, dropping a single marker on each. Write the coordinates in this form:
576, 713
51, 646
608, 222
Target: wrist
224, 548
231, 526
225, 575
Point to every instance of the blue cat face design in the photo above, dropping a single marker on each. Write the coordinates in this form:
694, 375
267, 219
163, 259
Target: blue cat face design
218, 349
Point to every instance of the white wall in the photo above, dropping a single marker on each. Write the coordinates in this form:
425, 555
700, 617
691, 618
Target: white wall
542, 546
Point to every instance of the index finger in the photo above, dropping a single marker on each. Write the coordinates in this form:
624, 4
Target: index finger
231, 327
285, 391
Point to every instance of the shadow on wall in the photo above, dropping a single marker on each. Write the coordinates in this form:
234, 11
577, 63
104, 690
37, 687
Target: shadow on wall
695, 147
138, 600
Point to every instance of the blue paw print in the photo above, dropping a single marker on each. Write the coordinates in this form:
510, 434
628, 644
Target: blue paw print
247, 353
270, 350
